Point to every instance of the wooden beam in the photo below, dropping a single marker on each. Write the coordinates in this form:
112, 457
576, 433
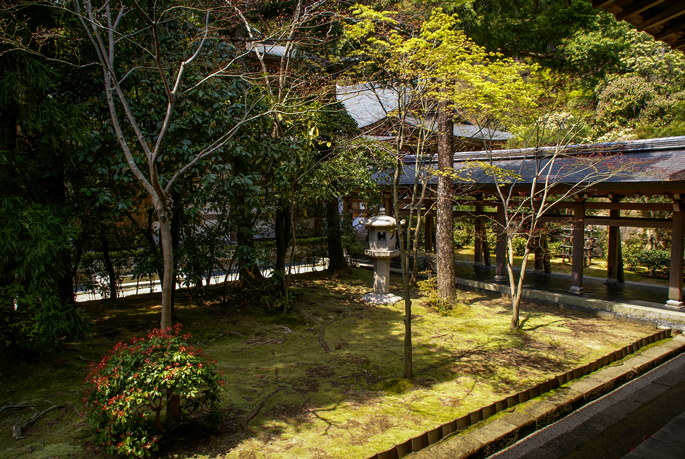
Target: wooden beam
630, 222
678, 43
629, 206
610, 221
661, 207
670, 31
659, 19
588, 205
601, 3
638, 7
589, 220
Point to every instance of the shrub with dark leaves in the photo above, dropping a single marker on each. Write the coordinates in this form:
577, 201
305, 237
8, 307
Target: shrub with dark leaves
135, 382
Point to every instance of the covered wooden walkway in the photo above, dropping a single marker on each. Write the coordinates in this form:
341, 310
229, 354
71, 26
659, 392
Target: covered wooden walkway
653, 167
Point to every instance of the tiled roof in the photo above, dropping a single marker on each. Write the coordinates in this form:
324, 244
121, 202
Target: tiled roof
637, 162
368, 105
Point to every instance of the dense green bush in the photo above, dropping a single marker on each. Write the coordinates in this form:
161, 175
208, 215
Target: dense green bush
635, 256
657, 261
352, 246
632, 251
554, 248
134, 382
463, 236
519, 245
429, 290
35, 242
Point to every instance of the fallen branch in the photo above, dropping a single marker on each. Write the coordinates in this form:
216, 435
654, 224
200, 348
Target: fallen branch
322, 341
18, 429
257, 409
15, 407
443, 343
200, 343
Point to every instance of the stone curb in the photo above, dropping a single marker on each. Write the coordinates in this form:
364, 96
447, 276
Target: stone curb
510, 426
574, 302
517, 416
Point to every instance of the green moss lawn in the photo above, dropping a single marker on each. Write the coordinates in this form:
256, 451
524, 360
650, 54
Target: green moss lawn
333, 365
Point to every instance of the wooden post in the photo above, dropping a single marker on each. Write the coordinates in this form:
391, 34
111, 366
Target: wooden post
478, 238
429, 232
538, 249
486, 248
675, 282
578, 248
501, 247
546, 262
538, 265
614, 255
388, 204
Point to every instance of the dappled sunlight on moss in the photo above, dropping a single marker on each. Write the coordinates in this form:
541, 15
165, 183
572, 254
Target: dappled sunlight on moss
334, 363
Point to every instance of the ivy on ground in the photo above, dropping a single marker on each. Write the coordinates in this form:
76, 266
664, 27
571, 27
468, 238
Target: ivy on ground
135, 381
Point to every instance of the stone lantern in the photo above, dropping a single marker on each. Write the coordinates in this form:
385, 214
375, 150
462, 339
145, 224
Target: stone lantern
382, 243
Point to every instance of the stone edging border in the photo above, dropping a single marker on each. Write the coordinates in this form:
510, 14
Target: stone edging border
435, 435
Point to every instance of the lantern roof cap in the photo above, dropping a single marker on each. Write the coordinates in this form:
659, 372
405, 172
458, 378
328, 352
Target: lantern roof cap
380, 221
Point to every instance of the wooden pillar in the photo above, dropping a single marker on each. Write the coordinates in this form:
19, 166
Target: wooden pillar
538, 265
429, 233
478, 238
486, 247
578, 248
501, 247
387, 204
675, 282
614, 254
538, 249
546, 261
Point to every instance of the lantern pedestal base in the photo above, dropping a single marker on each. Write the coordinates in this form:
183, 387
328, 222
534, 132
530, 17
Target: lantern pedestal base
381, 298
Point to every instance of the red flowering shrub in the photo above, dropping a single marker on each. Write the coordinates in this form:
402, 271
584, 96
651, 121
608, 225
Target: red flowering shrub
137, 380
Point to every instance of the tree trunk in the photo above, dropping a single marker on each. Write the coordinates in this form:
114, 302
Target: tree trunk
108, 264
408, 350
336, 256
415, 247
173, 410
176, 224
282, 236
445, 216
168, 262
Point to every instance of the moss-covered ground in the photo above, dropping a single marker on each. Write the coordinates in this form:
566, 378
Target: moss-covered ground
334, 363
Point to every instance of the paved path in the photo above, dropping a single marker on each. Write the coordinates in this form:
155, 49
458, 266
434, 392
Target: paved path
611, 426
667, 443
